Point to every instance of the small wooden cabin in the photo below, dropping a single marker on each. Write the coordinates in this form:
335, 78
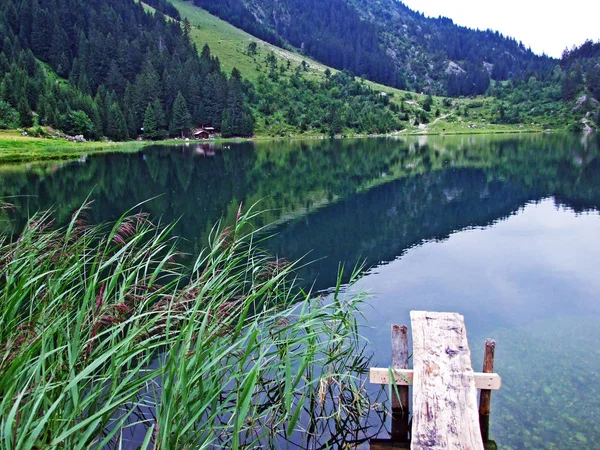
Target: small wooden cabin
204, 133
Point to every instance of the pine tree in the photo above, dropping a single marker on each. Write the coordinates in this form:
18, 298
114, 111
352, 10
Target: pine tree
150, 125
116, 127
132, 123
9, 117
428, 103
161, 119
114, 79
226, 125
181, 119
187, 28
25, 116
335, 121
237, 117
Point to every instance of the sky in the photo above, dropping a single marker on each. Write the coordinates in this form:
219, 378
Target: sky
545, 26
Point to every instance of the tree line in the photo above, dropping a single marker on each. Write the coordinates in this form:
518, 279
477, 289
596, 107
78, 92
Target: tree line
338, 102
100, 68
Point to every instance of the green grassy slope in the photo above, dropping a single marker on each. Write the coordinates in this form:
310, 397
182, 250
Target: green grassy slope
230, 45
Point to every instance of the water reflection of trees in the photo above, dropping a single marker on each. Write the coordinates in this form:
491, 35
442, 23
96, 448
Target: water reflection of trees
370, 198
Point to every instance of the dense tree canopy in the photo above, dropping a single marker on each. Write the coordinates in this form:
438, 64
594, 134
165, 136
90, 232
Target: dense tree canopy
94, 66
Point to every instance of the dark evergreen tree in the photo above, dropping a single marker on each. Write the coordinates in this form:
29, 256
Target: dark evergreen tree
78, 122
26, 119
237, 117
335, 121
116, 127
150, 124
428, 103
9, 117
181, 119
161, 119
572, 83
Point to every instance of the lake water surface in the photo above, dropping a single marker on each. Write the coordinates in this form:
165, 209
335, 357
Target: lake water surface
503, 229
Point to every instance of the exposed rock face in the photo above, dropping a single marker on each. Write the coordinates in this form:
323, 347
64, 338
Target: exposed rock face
454, 69
583, 99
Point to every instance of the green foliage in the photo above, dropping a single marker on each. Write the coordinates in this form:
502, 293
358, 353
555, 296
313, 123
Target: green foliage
116, 127
237, 117
252, 49
150, 123
428, 103
26, 118
104, 331
575, 125
327, 107
335, 120
181, 120
54, 60
78, 122
9, 117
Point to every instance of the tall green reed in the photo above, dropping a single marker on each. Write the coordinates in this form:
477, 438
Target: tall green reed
108, 341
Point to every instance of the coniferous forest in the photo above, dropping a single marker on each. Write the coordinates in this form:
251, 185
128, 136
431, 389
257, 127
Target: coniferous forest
99, 68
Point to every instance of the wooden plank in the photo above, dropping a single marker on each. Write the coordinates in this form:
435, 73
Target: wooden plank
445, 412
400, 413
485, 397
491, 381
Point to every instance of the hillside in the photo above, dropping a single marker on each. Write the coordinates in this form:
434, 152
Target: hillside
112, 69
539, 108
230, 44
540, 93
387, 42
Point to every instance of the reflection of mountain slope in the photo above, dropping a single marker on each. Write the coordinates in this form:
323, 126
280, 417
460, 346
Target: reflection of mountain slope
381, 224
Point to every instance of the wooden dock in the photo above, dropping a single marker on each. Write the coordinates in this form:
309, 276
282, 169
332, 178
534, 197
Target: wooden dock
444, 386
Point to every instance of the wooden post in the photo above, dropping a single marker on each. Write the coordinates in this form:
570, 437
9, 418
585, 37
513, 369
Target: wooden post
485, 398
400, 403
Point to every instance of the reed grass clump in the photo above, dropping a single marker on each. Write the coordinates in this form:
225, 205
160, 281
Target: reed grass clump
107, 340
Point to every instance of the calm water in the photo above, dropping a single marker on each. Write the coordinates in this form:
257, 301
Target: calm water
503, 229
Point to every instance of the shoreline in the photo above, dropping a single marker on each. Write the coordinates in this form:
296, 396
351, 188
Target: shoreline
15, 148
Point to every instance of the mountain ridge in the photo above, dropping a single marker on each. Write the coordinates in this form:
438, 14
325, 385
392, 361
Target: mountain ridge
386, 41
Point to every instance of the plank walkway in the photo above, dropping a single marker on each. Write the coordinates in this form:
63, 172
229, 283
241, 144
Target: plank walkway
445, 410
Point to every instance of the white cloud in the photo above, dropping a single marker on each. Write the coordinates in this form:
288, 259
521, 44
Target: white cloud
546, 27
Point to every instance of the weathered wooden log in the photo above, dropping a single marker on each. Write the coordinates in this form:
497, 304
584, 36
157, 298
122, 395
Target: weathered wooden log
400, 400
444, 396
485, 397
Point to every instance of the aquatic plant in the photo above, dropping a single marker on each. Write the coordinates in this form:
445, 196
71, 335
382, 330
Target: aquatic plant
108, 340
